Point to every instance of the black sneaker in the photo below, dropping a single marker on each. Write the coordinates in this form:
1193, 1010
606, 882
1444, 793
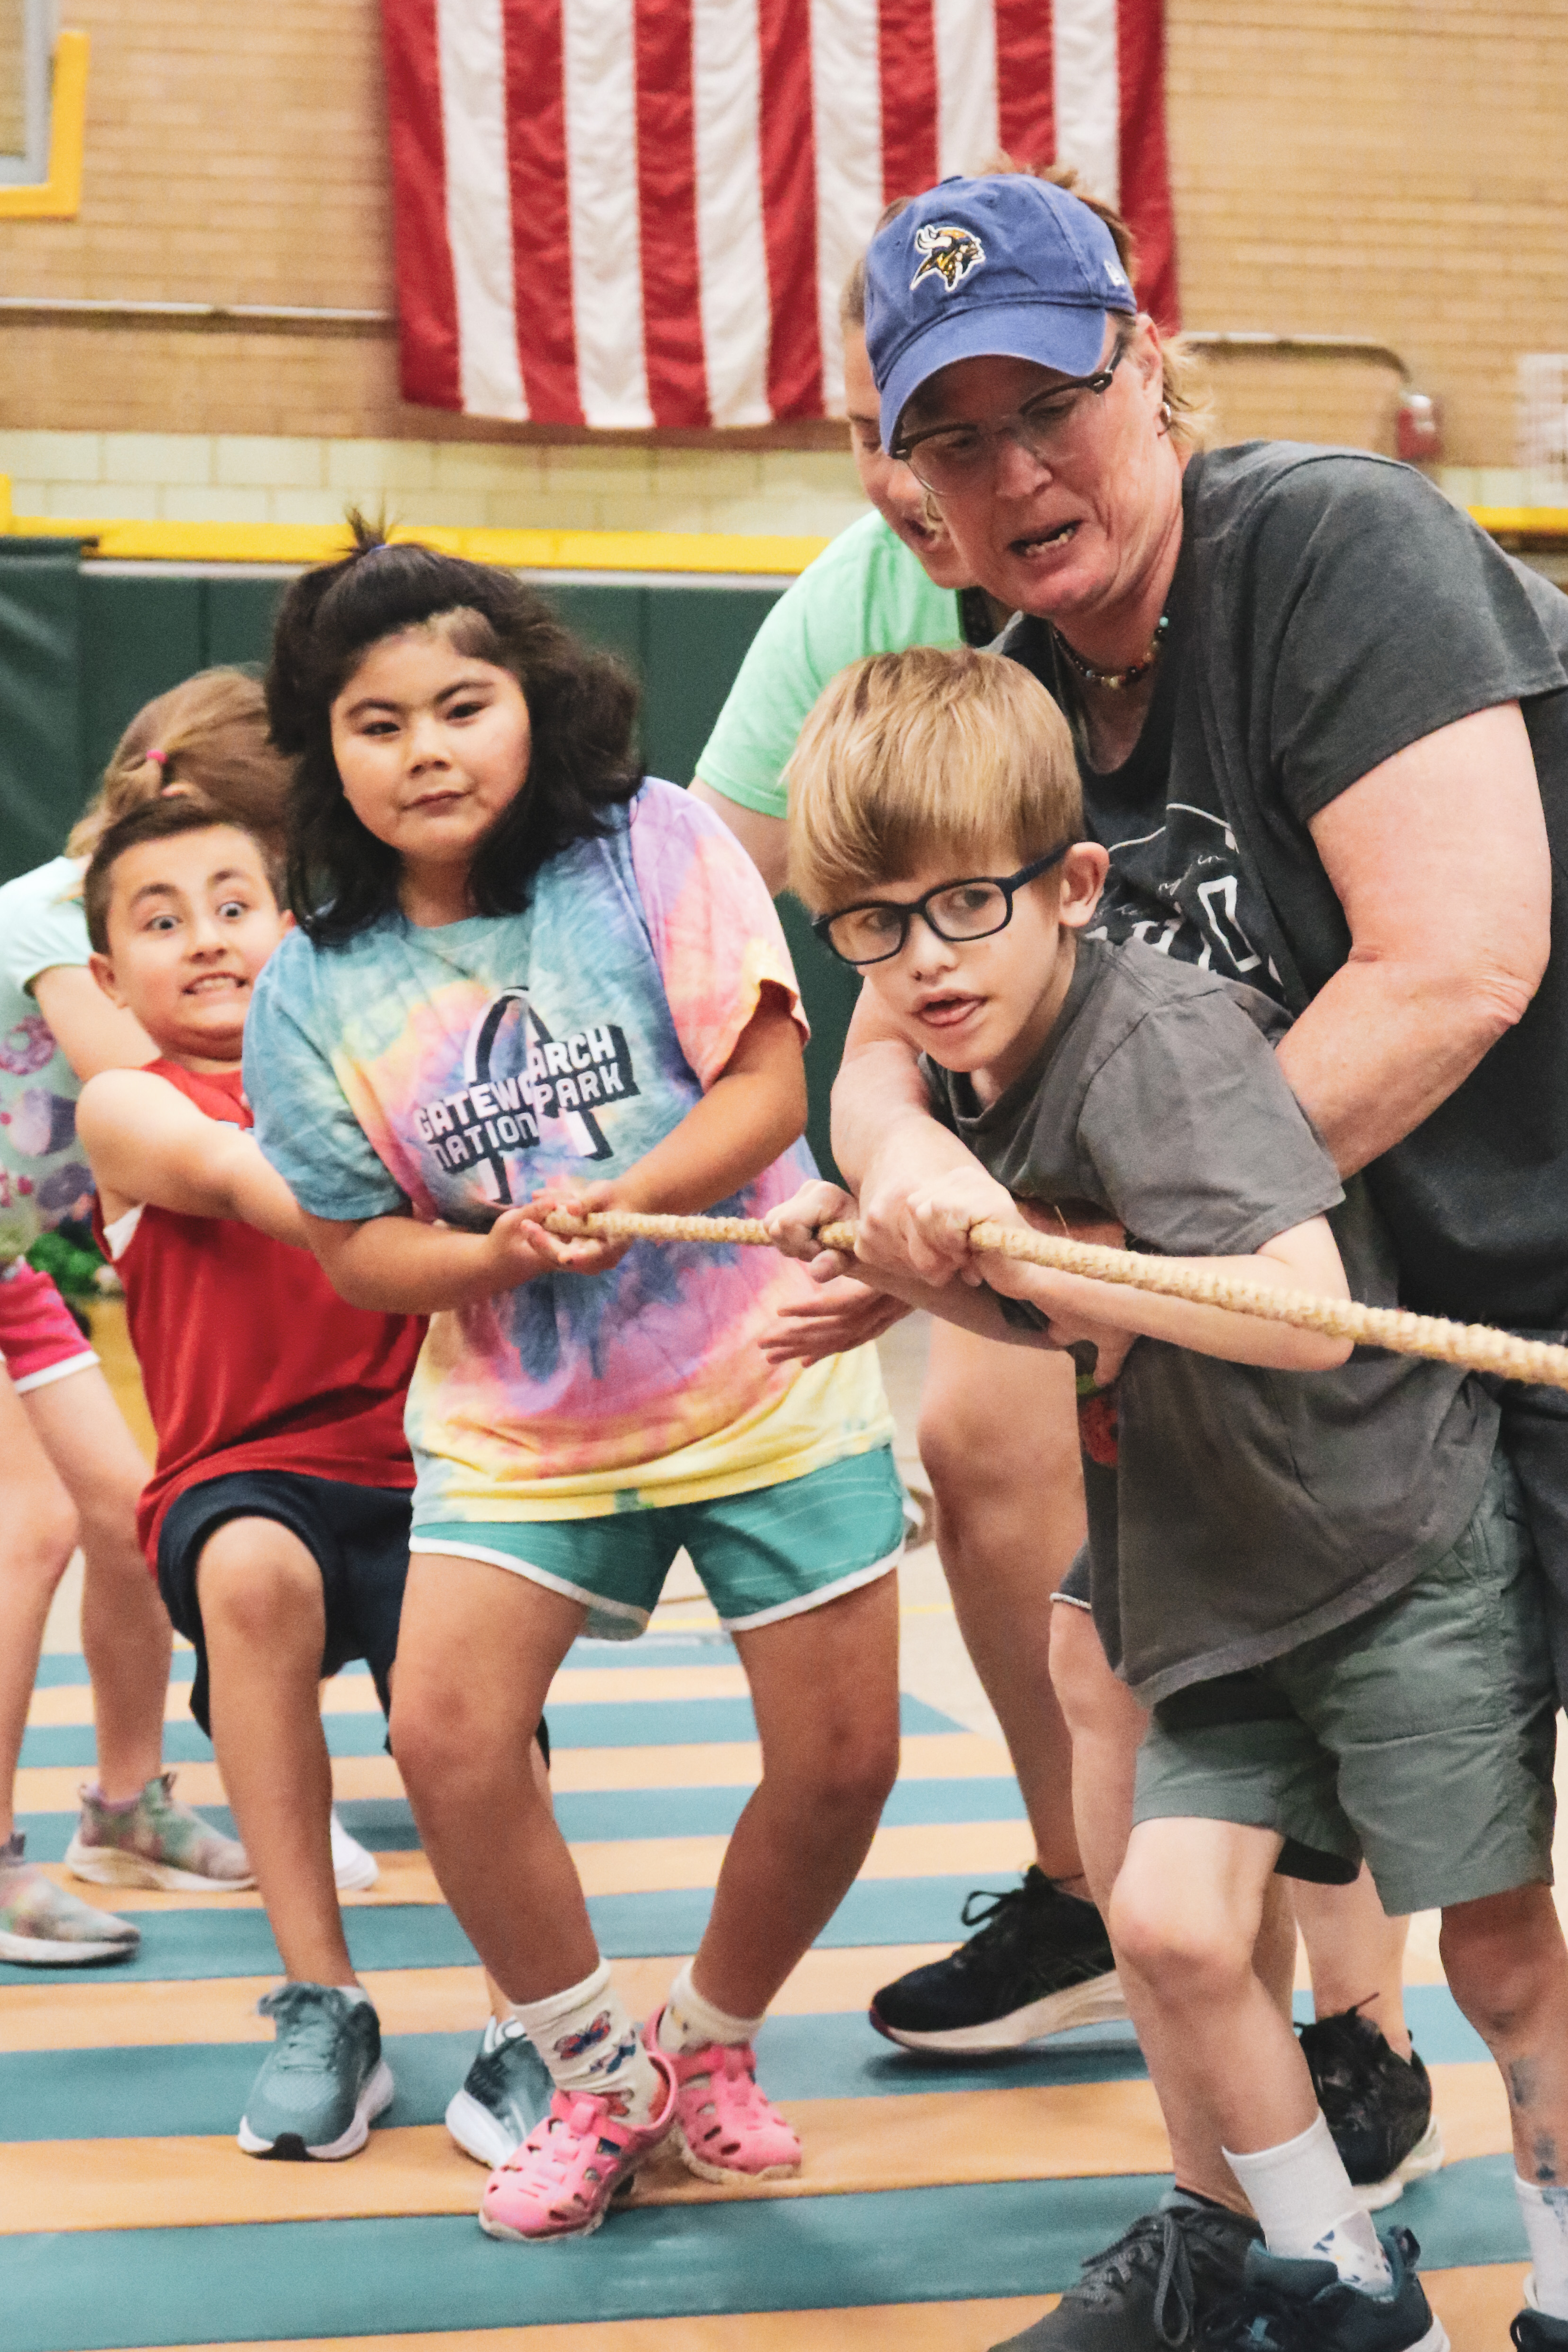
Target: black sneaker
1154, 2288
1533, 2332
1295, 2307
1379, 2107
1041, 1963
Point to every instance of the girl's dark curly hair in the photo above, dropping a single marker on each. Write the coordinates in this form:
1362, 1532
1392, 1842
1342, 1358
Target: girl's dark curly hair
581, 708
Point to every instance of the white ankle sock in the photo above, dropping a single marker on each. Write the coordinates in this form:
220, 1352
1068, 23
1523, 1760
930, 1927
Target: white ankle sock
1545, 2212
589, 2043
1302, 2194
691, 2022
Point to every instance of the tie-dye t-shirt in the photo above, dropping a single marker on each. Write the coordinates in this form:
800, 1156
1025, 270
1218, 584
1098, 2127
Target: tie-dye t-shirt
44, 1175
454, 1069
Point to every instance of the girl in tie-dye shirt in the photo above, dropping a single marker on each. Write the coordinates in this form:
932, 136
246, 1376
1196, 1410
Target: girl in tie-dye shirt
521, 970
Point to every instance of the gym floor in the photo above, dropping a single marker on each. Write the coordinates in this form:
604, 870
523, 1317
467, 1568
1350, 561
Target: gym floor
942, 2205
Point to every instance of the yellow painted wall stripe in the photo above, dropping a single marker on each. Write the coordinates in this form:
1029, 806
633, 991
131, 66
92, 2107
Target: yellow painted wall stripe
528, 551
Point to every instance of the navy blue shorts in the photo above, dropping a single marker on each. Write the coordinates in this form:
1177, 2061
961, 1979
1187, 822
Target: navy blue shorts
357, 1536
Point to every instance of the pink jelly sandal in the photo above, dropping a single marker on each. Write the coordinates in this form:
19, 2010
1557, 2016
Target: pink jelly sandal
726, 2129
560, 2182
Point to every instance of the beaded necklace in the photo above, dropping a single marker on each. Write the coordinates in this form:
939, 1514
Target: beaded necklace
1115, 679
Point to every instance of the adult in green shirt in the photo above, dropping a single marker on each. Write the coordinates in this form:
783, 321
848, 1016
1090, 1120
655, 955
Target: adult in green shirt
1009, 1517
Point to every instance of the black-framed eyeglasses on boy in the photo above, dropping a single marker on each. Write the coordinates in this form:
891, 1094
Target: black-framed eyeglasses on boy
972, 909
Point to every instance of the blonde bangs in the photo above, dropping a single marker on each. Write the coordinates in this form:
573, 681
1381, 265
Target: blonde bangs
933, 755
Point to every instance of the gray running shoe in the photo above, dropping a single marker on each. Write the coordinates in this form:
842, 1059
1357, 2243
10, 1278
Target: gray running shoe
43, 1925
1153, 2290
505, 2092
324, 2081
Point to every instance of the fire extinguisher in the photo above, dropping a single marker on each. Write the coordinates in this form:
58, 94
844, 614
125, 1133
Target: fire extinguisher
1419, 428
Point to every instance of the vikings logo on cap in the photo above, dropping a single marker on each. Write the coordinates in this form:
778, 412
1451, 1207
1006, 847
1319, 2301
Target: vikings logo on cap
948, 253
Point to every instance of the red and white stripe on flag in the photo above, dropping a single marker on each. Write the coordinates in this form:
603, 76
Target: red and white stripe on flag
637, 213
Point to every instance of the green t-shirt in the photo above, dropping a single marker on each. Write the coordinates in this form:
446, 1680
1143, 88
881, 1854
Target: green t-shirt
866, 593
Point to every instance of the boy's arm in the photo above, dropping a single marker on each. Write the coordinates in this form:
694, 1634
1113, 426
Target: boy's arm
1304, 1258
149, 1144
752, 1111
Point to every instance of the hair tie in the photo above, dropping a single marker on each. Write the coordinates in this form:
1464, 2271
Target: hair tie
158, 758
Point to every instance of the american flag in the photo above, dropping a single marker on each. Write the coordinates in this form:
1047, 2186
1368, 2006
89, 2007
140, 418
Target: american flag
639, 213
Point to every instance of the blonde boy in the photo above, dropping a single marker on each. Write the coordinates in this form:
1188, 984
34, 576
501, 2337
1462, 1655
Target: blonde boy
1317, 1583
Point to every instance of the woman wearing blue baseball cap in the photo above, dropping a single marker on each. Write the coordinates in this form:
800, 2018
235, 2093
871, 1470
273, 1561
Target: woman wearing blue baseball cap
1322, 730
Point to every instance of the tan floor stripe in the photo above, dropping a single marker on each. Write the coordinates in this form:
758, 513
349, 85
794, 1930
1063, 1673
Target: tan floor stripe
881, 2328
640, 1867
97, 2013
68, 1703
1474, 2304
927, 2139
704, 1764
924, 2139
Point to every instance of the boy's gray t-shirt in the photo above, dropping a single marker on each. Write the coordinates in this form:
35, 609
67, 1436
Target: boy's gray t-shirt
1248, 1510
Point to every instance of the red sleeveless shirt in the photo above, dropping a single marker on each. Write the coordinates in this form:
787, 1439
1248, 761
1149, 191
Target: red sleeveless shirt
249, 1359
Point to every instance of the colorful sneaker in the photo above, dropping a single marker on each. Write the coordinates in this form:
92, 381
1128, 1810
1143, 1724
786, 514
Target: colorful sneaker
1379, 2106
1533, 2332
43, 1925
1041, 1963
1154, 2288
324, 2080
726, 2129
1305, 2307
154, 1842
560, 2182
505, 2092
354, 1867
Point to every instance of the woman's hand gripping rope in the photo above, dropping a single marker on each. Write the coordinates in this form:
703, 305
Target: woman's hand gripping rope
1474, 1346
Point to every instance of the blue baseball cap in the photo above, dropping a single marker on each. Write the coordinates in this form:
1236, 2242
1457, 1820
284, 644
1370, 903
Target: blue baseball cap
1006, 267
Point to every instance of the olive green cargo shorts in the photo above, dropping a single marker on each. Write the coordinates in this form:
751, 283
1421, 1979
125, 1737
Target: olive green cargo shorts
1421, 1736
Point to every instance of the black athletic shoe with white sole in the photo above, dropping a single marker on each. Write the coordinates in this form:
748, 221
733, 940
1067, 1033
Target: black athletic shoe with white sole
1155, 2289
1040, 1964
1295, 2306
1378, 2106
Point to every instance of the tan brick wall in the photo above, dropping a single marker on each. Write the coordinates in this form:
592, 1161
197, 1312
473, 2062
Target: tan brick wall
1380, 168
1390, 169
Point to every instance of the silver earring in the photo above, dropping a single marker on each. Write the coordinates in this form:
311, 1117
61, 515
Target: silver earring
1165, 418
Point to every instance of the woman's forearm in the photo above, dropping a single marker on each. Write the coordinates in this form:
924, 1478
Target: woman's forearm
1380, 1046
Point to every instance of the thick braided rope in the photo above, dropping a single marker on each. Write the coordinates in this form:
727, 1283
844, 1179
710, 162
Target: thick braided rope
1473, 1345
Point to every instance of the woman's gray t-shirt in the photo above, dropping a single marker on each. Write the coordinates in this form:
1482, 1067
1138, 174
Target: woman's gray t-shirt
1247, 1511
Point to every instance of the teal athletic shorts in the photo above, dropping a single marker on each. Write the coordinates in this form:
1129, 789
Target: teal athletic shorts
761, 1556
1420, 1735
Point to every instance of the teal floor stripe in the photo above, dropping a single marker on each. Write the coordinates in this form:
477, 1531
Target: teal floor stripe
616, 1722
386, 1825
97, 2290
173, 2089
189, 1944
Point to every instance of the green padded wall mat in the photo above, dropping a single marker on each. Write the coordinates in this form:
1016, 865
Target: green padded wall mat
40, 698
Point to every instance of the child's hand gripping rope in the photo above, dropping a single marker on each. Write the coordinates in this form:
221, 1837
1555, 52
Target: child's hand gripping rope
1473, 1345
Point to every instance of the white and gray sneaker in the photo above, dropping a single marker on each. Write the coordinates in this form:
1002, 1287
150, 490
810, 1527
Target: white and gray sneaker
323, 2081
354, 1867
505, 2091
43, 1925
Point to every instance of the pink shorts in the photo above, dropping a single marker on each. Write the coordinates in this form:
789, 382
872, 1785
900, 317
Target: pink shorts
40, 1340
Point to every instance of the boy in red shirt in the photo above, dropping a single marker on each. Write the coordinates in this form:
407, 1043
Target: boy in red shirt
277, 1518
